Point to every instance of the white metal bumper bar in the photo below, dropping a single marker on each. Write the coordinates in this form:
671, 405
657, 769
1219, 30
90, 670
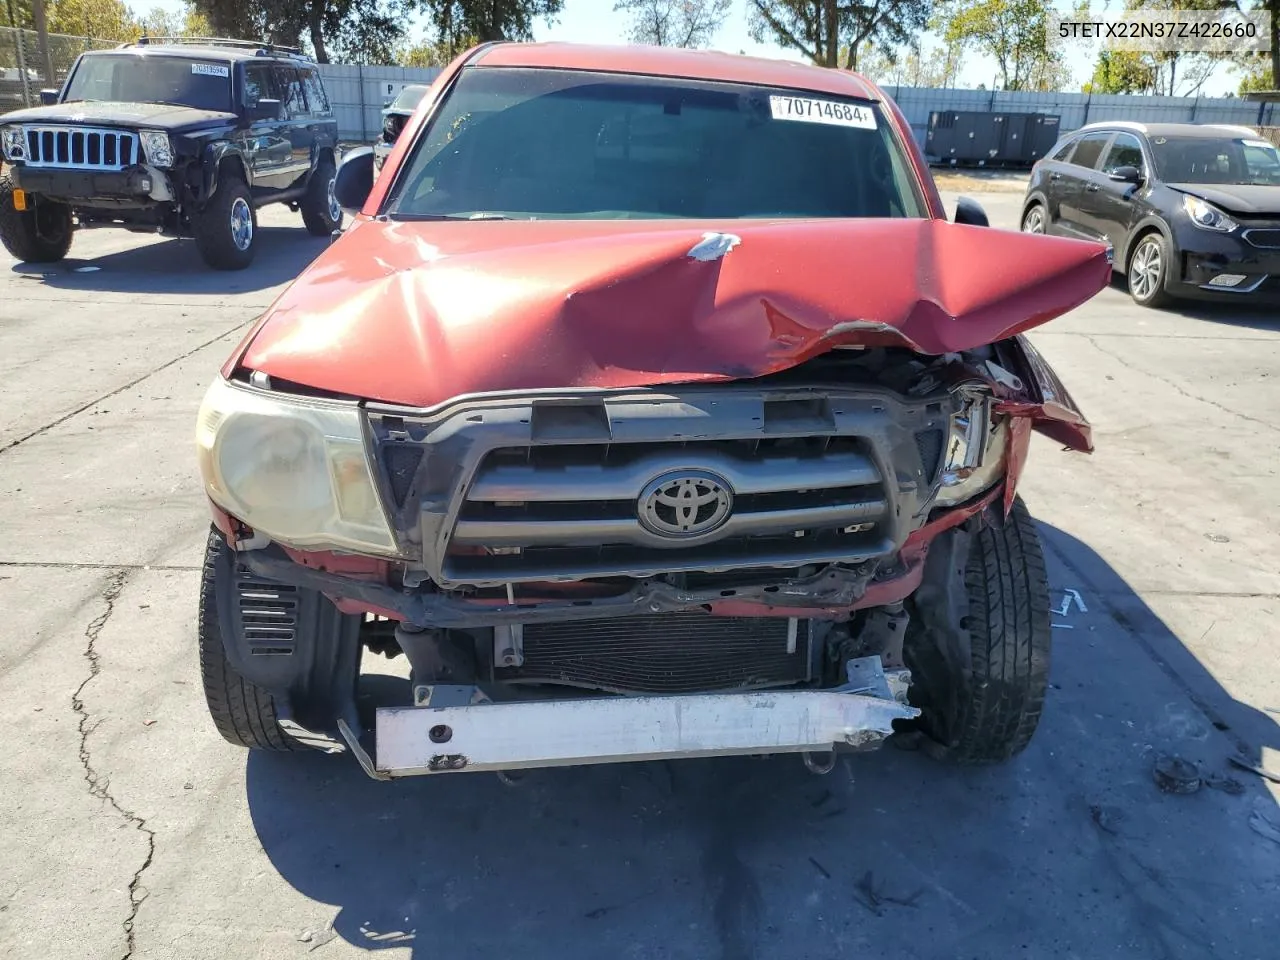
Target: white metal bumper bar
509, 736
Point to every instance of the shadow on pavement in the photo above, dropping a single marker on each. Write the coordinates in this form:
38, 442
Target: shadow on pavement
1238, 313
174, 266
1068, 851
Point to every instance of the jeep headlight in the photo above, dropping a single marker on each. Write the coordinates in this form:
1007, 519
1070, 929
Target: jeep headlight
973, 460
14, 140
293, 468
156, 147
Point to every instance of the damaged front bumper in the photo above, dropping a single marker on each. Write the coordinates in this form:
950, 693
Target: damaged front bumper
455, 730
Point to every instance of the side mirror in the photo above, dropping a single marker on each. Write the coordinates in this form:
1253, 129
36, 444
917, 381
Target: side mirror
266, 109
971, 212
48, 97
354, 180
1126, 175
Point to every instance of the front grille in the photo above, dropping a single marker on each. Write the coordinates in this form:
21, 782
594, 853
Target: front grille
1264, 238
574, 509
268, 616
667, 653
81, 148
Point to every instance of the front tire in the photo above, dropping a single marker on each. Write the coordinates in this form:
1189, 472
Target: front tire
1148, 271
226, 230
981, 687
1033, 220
40, 234
320, 209
244, 713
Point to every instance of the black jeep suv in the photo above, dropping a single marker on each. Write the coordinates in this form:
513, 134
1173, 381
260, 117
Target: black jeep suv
184, 138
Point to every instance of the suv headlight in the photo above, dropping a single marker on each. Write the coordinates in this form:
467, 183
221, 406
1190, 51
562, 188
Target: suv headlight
156, 147
973, 461
1206, 216
293, 468
14, 140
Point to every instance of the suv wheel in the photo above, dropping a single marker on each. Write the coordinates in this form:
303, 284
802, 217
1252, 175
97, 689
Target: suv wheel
226, 230
1033, 219
978, 643
321, 211
39, 234
1148, 267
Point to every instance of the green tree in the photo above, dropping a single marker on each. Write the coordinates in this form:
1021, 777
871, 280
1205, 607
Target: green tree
188, 22
834, 33
937, 66
674, 23
489, 20
1015, 34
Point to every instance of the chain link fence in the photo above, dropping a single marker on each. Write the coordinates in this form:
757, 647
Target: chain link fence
26, 67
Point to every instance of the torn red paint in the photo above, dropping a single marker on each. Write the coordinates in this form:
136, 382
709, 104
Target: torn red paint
418, 313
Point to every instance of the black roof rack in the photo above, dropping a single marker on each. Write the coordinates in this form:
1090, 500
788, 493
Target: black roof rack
258, 48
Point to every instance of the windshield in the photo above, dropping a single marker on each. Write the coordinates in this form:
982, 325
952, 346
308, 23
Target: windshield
408, 98
121, 78
562, 144
1208, 160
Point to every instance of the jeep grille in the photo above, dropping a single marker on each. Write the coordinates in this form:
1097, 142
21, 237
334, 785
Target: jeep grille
81, 148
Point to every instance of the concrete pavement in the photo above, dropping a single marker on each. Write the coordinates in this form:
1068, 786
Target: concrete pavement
133, 830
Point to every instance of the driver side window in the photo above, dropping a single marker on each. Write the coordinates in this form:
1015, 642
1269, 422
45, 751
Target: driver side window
257, 84
1125, 151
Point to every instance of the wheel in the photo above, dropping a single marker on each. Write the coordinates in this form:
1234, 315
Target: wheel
1148, 267
1033, 220
321, 211
982, 694
244, 713
39, 234
226, 229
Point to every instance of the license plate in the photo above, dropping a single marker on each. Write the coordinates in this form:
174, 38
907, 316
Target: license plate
19, 199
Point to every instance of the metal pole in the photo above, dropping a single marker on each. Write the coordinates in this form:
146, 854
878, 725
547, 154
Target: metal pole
364, 128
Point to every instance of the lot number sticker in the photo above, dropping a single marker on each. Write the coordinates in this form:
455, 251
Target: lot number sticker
808, 110
210, 70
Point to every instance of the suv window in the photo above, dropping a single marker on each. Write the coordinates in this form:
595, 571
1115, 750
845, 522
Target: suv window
559, 144
1126, 151
290, 86
258, 84
316, 97
1064, 148
146, 78
1088, 149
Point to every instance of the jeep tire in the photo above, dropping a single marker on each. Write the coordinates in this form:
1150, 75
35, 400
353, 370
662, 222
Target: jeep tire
320, 211
226, 230
978, 642
39, 234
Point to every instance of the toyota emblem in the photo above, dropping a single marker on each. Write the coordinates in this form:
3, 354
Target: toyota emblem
685, 503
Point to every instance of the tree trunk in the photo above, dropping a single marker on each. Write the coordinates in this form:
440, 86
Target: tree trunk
1275, 44
831, 57
42, 38
316, 20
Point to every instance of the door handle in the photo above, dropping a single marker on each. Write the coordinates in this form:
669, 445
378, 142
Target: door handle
1055, 176
1092, 187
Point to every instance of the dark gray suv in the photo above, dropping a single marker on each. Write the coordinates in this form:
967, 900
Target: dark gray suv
1190, 210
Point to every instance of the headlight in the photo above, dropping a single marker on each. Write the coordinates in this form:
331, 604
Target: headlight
14, 140
156, 146
1206, 215
974, 457
293, 468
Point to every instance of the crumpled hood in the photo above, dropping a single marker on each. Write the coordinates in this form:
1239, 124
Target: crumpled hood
417, 313
1250, 198
160, 116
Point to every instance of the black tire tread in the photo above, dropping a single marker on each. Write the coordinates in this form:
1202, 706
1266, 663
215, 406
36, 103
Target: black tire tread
315, 204
244, 713
1010, 638
209, 226
18, 231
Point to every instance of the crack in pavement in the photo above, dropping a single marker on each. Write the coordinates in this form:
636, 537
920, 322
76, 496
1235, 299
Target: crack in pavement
132, 383
99, 786
1178, 387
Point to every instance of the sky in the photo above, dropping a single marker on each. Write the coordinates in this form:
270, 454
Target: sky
594, 21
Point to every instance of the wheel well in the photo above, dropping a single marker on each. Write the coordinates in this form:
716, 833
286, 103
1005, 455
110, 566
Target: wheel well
1034, 201
1136, 239
232, 166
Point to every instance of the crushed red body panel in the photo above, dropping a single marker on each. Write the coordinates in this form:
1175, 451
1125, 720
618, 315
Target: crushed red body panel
417, 313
